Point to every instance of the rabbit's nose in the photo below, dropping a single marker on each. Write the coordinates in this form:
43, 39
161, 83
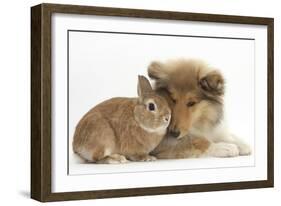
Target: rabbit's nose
167, 118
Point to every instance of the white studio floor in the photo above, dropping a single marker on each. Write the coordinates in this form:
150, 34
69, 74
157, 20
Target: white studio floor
78, 167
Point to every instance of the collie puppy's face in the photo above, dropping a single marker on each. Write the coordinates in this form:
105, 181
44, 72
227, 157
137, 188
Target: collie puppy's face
194, 92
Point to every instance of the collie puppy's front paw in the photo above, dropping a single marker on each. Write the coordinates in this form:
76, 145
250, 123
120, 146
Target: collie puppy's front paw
244, 149
223, 149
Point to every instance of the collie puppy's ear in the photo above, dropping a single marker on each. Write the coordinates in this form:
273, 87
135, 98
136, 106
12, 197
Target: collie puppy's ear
156, 71
213, 83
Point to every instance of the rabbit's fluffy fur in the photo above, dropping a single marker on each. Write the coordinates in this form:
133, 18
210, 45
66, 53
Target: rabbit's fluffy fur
122, 129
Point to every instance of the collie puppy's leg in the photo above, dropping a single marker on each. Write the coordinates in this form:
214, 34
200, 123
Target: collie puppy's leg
244, 148
222, 134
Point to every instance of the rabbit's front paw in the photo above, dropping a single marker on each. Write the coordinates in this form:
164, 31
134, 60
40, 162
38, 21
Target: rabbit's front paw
149, 158
113, 159
142, 158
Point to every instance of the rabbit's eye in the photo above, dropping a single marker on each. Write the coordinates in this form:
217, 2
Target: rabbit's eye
190, 104
151, 107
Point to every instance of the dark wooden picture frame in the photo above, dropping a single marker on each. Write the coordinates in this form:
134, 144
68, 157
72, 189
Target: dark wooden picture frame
41, 101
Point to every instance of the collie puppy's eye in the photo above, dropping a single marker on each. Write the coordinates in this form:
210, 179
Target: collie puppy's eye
151, 107
190, 104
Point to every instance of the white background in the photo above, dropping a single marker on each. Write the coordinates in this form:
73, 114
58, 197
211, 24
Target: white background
106, 65
15, 104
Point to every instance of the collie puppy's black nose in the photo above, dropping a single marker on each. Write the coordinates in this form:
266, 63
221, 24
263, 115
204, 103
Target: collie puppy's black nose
174, 133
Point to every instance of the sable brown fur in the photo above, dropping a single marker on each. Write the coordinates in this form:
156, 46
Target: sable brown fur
186, 81
194, 91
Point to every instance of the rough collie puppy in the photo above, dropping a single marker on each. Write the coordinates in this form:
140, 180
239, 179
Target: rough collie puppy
195, 92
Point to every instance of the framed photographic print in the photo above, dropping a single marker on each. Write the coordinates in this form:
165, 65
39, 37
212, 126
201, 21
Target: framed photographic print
130, 102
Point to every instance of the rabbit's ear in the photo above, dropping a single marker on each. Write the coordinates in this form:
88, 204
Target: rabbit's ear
144, 86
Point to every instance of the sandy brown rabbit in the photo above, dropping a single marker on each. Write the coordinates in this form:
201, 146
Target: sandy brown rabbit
122, 129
